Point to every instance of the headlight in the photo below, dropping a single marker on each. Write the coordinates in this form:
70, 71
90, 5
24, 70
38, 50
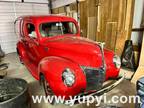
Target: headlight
117, 61
68, 77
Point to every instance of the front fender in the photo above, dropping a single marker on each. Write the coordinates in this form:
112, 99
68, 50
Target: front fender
53, 67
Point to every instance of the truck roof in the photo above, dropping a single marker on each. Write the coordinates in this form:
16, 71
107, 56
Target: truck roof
40, 18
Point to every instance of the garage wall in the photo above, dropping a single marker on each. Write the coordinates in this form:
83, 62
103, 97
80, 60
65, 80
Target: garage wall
9, 11
37, 1
11, 0
32, 1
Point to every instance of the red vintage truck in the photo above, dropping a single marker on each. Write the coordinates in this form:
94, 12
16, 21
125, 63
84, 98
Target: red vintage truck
67, 64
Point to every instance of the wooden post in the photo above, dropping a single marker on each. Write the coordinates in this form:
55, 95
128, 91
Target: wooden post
129, 18
125, 34
140, 71
83, 17
91, 22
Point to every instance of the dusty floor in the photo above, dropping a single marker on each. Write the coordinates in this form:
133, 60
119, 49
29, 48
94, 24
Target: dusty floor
18, 70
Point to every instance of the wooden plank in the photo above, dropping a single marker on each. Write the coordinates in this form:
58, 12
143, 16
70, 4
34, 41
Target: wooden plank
120, 42
73, 7
83, 18
122, 15
61, 10
115, 10
111, 34
58, 10
91, 28
114, 35
105, 16
91, 11
108, 22
108, 35
138, 74
124, 24
55, 11
129, 18
140, 71
91, 14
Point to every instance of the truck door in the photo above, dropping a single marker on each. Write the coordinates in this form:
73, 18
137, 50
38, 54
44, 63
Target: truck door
31, 41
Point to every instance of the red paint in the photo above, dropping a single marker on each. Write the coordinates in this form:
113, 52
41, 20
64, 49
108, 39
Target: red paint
51, 55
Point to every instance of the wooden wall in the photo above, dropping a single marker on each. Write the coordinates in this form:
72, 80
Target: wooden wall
109, 21
83, 18
73, 7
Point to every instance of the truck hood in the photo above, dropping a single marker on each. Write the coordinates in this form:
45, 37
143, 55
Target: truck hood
80, 50
76, 44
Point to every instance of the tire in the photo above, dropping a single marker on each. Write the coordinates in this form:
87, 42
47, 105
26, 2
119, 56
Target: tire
47, 89
14, 93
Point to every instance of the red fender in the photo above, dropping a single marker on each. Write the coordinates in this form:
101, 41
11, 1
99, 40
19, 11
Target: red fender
21, 51
53, 67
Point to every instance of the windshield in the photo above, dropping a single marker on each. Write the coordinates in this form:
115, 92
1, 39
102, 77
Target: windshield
57, 28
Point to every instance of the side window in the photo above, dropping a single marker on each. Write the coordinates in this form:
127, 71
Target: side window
31, 30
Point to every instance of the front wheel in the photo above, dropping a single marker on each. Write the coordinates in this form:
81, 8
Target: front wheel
48, 91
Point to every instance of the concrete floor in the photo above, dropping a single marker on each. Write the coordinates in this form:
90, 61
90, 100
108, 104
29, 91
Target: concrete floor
17, 70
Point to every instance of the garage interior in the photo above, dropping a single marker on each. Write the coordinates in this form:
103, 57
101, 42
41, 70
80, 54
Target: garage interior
110, 21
